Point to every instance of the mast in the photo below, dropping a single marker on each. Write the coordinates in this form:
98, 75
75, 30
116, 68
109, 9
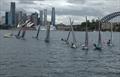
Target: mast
38, 31
23, 33
19, 32
111, 26
21, 28
99, 36
68, 35
86, 33
47, 39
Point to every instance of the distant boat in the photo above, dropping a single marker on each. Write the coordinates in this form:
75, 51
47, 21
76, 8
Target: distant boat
8, 35
94, 31
99, 45
73, 44
23, 27
85, 46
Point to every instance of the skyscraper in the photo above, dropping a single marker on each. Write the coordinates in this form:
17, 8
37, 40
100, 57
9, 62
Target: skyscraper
6, 18
9, 18
12, 13
53, 17
41, 18
45, 17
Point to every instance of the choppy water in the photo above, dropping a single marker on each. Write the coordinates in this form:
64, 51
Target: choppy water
35, 58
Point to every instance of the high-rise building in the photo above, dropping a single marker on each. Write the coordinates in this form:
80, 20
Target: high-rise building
9, 18
12, 13
6, 18
53, 17
45, 17
41, 17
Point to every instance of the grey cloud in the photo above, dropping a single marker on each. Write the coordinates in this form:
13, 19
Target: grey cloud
77, 1
90, 9
4, 6
86, 11
28, 1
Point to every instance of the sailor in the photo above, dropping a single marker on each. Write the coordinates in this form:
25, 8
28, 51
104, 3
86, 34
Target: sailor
62, 39
73, 45
109, 42
96, 47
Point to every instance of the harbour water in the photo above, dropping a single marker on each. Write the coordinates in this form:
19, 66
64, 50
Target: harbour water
35, 58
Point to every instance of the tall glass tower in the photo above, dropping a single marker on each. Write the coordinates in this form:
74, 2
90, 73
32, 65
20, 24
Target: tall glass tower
41, 18
45, 17
12, 13
6, 17
53, 17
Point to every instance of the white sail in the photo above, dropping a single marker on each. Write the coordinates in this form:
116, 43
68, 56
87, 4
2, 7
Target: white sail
99, 45
73, 35
47, 39
99, 37
85, 46
111, 26
86, 34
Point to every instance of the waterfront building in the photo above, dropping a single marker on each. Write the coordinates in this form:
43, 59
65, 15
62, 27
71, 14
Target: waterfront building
53, 17
12, 14
45, 17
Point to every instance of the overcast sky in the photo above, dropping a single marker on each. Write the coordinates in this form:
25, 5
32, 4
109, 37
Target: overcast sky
77, 9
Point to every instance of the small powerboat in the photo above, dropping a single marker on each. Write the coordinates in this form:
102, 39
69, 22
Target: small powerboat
8, 35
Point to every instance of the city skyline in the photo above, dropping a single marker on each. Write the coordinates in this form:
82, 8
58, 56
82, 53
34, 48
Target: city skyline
65, 8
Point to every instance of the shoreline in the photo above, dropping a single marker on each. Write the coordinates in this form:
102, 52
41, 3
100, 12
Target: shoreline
51, 30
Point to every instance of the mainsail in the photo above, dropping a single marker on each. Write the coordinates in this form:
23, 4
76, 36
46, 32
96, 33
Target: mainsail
86, 34
99, 45
38, 31
68, 36
99, 37
85, 46
47, 39
73, 35
22, 27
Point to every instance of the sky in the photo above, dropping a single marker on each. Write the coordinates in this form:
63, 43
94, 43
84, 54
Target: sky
76, 9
